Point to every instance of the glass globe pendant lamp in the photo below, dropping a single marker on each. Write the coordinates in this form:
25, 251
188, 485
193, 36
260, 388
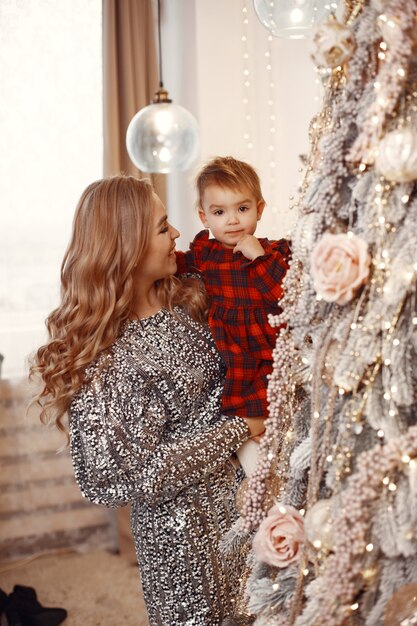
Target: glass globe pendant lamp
292, 19
162, 137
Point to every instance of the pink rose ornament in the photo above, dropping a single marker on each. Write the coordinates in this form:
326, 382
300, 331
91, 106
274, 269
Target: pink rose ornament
339, 266
280, 536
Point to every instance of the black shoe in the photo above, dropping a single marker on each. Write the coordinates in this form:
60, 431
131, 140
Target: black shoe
3, 601
23, 609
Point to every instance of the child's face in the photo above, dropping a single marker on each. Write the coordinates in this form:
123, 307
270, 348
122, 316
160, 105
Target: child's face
230, 213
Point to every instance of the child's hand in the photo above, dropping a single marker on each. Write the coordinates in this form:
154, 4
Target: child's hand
250, 247
256, 426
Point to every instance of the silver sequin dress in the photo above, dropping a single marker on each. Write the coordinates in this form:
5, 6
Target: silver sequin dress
146, 429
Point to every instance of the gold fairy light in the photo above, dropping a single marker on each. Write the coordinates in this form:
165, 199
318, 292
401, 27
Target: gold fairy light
247, 133
369, 574
272, 131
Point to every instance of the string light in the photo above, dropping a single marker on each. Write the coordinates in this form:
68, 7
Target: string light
246, 73
272, 135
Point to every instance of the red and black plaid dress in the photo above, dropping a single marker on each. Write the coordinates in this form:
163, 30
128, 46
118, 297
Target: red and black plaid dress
242, 294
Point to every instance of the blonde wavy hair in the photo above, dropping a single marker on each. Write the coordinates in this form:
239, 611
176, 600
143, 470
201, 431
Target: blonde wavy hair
111, 233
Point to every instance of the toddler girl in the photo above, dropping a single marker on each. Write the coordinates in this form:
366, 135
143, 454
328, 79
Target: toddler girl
243, 276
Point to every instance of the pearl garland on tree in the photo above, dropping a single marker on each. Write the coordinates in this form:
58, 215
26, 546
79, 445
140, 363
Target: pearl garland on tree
277, 434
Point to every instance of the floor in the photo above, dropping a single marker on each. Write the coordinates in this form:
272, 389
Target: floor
97, 588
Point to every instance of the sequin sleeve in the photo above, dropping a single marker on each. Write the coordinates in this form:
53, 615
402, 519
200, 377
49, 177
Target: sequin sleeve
122, 448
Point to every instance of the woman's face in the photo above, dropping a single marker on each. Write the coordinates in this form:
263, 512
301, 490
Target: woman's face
159, 259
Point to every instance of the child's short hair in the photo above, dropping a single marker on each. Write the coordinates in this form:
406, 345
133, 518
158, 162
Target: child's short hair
228, 172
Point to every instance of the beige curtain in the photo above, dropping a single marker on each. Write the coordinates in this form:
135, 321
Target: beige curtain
130, 79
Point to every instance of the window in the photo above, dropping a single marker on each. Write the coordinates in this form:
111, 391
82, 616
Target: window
50, 149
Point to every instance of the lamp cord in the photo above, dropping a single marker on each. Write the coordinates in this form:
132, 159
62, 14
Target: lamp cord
161, 84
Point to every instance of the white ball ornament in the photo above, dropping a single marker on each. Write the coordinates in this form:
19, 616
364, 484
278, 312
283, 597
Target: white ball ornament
396, 157
318, 525
334, 44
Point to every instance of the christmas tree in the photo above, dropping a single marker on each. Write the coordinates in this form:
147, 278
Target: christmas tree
334, 499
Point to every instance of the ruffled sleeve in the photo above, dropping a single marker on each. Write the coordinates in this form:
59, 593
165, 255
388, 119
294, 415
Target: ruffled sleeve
122, 450
191, 261
268, 271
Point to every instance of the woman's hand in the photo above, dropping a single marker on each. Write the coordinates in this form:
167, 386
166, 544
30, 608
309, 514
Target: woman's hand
256, 426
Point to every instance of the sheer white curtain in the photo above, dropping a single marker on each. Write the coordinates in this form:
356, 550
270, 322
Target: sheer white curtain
51, 148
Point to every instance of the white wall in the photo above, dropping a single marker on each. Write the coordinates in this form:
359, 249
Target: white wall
204, 72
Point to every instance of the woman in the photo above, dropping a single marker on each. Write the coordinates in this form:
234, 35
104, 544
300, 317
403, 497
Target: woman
132, 362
